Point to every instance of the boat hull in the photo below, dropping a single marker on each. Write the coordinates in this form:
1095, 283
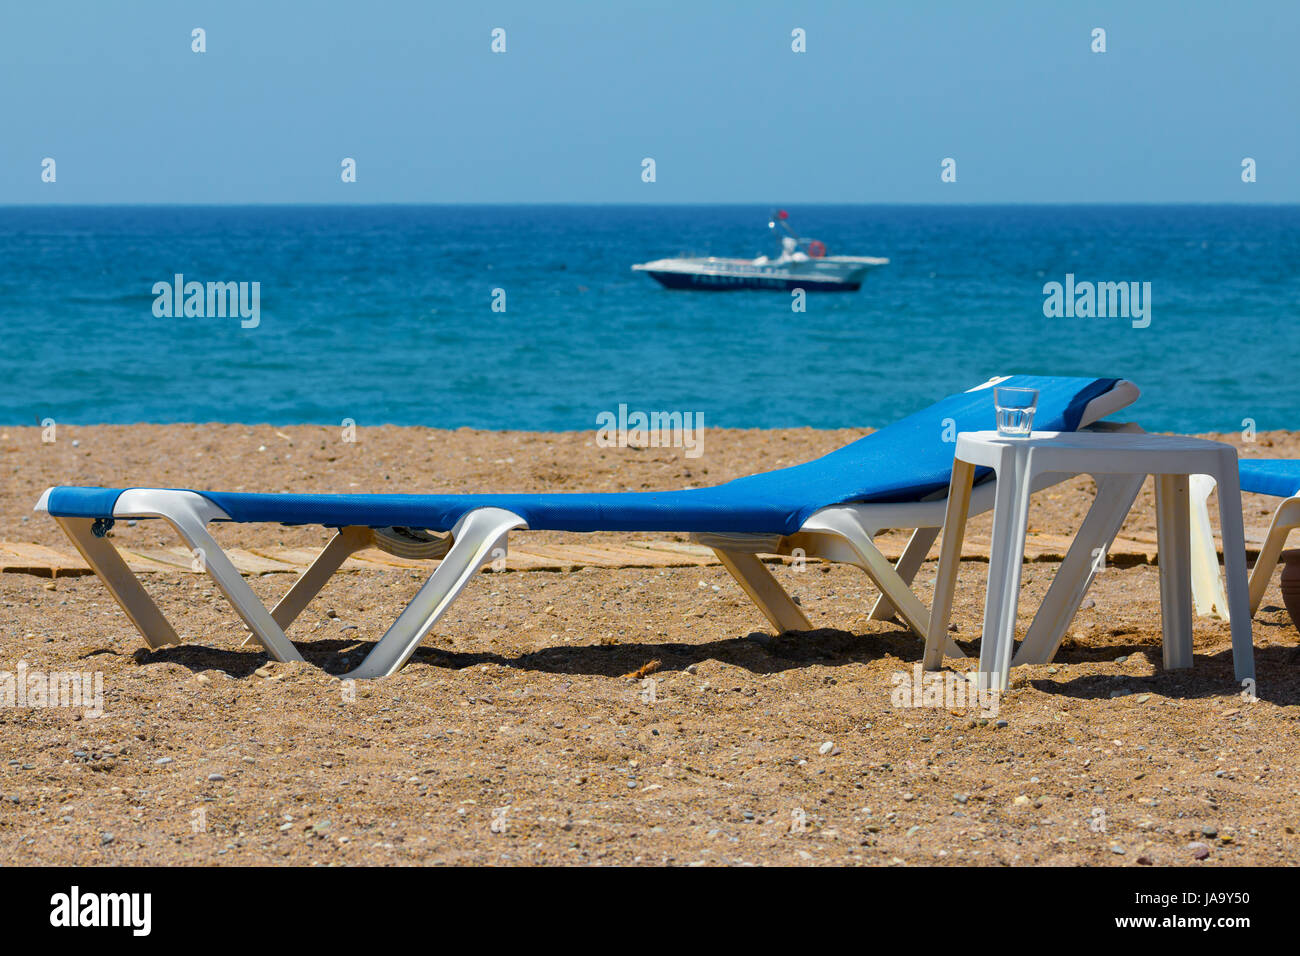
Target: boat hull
826, 274
730, 283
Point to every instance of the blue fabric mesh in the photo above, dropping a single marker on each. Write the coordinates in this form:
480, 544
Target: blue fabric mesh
1270, 476
905, 461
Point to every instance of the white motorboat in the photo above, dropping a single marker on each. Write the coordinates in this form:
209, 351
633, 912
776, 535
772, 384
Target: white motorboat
801, 264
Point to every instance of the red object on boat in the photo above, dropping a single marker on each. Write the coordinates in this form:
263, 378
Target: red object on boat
782, 214
816, 248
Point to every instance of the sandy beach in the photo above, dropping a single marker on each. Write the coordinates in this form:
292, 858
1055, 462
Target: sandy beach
524, 730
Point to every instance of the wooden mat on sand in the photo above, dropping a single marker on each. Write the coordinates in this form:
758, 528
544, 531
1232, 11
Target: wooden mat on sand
43, 561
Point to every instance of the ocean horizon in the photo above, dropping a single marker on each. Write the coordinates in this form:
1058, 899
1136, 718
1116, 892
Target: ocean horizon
528, 316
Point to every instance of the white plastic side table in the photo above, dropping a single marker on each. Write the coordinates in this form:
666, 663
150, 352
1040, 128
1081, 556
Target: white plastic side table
1120, 463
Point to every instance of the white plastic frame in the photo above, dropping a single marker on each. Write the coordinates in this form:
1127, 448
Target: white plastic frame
1120, 465
1207, 585
474, 541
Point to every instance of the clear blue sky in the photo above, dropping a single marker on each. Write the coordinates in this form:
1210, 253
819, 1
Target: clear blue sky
711, 90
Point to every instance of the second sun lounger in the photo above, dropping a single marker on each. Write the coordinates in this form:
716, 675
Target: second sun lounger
830, 508
1275, 477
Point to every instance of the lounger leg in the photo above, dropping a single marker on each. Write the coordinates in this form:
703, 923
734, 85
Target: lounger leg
1172, 536
476, 536
1234, 568
1208, 595
764, 590
945, 583
909, 562
341, 547
843, 525
122, 584
1115, 497
190, 526
1285, 519
882, 573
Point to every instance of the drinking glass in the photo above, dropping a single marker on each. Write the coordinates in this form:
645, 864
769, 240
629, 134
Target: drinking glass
1015, 408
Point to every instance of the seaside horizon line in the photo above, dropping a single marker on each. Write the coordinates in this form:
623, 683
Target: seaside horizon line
589, 204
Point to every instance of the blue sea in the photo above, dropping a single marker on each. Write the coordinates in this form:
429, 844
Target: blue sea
384, 314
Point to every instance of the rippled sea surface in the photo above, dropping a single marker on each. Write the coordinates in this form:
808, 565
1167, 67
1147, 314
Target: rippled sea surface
384, 314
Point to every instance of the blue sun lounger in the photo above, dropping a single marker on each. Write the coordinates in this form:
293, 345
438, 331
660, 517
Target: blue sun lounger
830, 508
1275, 477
